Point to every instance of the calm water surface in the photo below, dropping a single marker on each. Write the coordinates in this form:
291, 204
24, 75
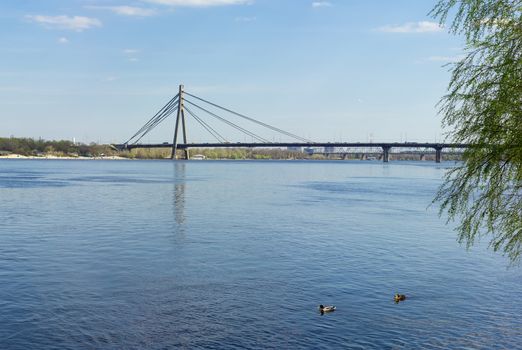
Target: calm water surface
225, 255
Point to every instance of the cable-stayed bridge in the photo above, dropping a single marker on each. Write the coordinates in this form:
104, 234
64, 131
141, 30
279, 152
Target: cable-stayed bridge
185, 105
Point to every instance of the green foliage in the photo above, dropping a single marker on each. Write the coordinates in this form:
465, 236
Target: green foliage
31, 147
148, 153
483, 107
247, 153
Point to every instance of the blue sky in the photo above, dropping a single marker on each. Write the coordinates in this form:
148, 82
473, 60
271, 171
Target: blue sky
338, 70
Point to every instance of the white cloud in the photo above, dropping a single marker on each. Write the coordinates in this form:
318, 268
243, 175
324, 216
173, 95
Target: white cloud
245, 19
447, 59
321, 4
77, 23
413, 27
131, 54
111, 78
200, 3
126, 10
63, 40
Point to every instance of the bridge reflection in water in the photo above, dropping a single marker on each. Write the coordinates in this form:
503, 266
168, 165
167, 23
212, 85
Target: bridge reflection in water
178, 198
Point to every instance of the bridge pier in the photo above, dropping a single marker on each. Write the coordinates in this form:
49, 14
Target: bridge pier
386, 154
438, 154
180, 118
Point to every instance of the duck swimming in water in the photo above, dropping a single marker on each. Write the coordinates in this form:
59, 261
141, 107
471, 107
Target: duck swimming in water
324, 309
399, 297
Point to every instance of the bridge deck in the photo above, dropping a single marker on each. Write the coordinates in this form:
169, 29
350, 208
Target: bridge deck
383, 145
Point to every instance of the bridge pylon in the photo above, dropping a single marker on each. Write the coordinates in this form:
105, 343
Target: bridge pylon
180, 118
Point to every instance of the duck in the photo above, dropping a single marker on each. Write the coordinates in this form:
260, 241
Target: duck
323, 308
399, 297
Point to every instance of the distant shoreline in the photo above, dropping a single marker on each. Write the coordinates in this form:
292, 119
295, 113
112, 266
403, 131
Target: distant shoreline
27, 148
51, 157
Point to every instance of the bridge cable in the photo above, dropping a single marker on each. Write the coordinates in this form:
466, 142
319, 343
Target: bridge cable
207, 127
166, 114
154, 118
241, 129
252, 120
145, 128
158, 119
249, 133
156, 122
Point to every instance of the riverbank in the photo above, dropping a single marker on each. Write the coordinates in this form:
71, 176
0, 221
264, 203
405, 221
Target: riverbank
322, 158
27, 148
19, 156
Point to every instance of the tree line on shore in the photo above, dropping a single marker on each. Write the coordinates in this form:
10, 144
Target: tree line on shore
61, 148
65, 148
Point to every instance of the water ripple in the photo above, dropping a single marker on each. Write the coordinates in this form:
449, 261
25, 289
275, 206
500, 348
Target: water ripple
235, 255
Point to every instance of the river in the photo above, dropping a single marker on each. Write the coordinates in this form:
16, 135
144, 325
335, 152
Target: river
239, 254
